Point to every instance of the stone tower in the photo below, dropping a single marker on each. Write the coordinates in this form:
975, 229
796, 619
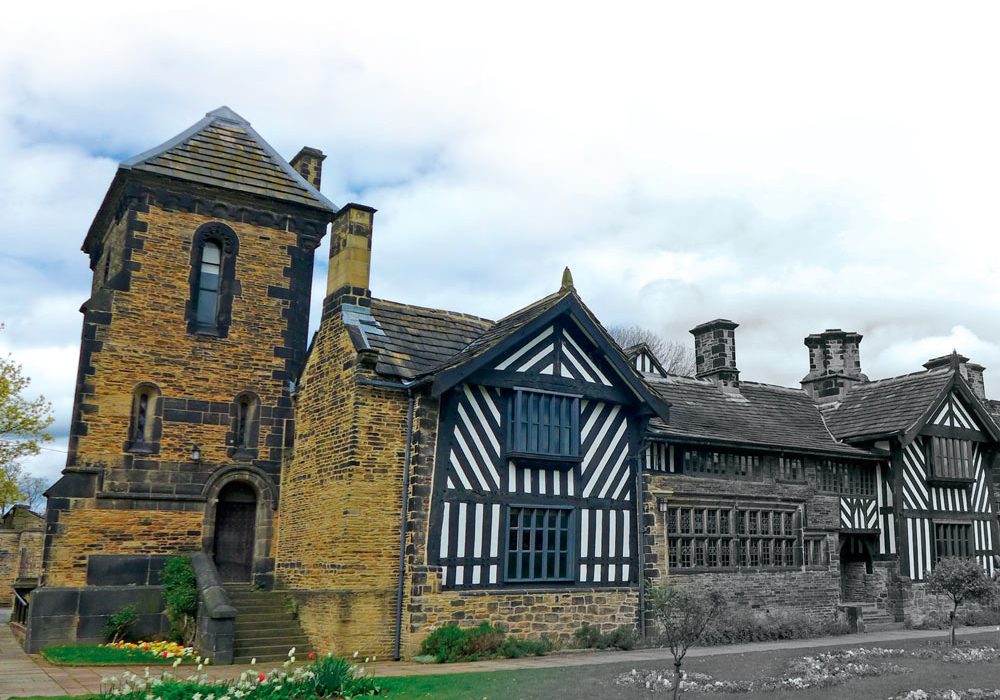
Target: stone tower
195, 330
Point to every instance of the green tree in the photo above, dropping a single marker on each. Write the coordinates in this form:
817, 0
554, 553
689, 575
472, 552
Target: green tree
23, 425
962, 580
682, 615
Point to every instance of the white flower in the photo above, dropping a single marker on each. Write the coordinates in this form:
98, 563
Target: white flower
253, 661
291, 652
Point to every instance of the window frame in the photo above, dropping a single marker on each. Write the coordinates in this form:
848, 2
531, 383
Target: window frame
228, 242
248, 447
520, 453
152, 423
843, 477
932, 448
968, 540
737, 545
571, 545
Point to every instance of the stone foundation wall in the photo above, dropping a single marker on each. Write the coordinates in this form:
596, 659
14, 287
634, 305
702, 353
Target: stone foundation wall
555, 614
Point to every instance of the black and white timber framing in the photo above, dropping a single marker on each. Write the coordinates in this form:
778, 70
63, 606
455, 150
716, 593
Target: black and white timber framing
479, 478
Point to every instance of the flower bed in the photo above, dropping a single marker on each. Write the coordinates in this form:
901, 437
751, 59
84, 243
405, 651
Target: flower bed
328, 677
163, 650
824, 670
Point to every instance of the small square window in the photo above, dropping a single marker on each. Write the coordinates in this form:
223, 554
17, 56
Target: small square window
544, 426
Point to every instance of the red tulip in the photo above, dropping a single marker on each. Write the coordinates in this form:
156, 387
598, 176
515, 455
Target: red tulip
262, 677
312, 655
164, 655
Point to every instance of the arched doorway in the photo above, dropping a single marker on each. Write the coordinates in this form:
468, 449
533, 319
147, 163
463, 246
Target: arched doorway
855, 564
235, 529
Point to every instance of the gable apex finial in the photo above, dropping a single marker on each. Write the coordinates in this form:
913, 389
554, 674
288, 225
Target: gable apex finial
567, 281
225, 114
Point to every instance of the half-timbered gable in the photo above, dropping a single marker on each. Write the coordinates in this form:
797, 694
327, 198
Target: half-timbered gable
942, 440
644, 359
535, 471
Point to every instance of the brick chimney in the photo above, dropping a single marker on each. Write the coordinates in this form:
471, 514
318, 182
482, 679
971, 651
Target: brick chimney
350, 258
834, 364
309, 164
971, 372
715, 353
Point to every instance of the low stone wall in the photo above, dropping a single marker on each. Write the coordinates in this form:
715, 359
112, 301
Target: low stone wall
918, 604
813, 592
556, 614
80, 615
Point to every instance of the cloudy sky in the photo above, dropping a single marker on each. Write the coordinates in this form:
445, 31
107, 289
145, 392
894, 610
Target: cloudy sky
787, 167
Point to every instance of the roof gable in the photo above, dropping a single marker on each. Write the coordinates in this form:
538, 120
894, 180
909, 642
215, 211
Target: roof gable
903, 405
508, 344
223, 150
644, 359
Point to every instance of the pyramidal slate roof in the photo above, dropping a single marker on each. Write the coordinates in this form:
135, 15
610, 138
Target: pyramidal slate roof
760, 415
888, 406
223, 150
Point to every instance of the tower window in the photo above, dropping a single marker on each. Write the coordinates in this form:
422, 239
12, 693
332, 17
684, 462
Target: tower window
213, 279
143, 428
208, 284
246, 426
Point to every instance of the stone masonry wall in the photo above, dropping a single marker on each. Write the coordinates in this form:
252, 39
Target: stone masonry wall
88, 531
136, 330
338, 541
533, 613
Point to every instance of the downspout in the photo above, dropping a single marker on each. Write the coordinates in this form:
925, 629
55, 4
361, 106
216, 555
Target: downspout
405, 507
398, 636
641, 539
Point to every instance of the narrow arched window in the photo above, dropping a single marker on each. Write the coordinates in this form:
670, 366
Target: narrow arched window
246, 424
213, 279
143, 427
208, 284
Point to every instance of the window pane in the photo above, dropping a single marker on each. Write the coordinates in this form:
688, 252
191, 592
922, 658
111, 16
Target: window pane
211, 253
207, 307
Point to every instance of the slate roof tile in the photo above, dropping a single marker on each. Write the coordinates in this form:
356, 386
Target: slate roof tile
223, 150
418, 339
761, 414
887, 406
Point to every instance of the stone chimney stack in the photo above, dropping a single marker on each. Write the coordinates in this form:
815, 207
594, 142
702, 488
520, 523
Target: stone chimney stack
309, 164
834, 364
715, 353
350, 257
971, 372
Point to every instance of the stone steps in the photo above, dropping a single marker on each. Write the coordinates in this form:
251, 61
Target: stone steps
265, 627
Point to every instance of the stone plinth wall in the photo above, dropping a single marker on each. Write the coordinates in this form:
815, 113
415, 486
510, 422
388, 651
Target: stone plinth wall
555, 614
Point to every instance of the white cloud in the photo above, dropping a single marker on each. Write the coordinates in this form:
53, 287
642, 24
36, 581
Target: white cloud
790, 167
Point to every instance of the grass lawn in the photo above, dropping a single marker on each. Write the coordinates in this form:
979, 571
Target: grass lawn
70, 655
598, 680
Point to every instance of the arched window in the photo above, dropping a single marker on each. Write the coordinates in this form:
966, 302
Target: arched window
144, 427
208, 284
213, 279
246, 425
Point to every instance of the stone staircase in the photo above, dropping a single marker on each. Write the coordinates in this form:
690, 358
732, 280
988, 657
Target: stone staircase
875, 618
266, 628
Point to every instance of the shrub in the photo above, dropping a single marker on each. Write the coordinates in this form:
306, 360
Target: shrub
451, 643
118, 624
962, 580
180, 592
589, 637
739, 626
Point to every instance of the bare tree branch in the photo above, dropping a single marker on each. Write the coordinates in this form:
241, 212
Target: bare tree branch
676, 357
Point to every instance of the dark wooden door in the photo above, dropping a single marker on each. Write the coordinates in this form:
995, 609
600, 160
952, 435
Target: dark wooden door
235, 521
